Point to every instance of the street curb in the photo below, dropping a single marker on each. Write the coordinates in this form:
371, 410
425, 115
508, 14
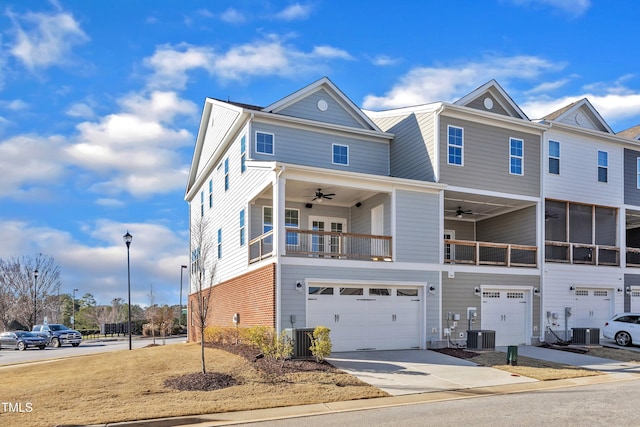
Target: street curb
257, 415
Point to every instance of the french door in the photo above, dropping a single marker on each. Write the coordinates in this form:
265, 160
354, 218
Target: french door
323, 244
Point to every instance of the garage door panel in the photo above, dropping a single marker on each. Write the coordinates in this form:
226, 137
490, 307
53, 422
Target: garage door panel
593, 307
505, 311
374, 318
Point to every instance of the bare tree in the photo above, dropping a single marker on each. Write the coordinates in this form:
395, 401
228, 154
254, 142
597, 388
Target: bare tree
32, 282
152, 313
203, 272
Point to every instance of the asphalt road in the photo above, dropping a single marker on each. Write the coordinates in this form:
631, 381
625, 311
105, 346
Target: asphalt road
594, 405
10, 357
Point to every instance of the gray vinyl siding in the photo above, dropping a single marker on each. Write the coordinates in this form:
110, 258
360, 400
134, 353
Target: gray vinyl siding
417, 227
412, 149
307, 108
631, 191
361, 217
305, 147
517, 228
294, 302
458, 294
486, 159
478, 104
222, 118
464, 230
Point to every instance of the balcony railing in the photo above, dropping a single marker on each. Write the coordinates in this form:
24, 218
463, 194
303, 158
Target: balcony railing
261, 247
324, 244
580, 253
329, 244
487, 253
633, 257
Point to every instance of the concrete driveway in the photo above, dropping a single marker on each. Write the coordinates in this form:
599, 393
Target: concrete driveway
400, 372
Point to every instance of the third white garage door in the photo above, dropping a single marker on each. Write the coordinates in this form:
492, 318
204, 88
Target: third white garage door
367, 317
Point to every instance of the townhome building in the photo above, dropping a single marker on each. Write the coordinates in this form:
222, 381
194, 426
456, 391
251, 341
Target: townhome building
309, 226
487, 152
409, 227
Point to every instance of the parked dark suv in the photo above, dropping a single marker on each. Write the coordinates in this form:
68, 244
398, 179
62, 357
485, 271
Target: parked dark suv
59, 334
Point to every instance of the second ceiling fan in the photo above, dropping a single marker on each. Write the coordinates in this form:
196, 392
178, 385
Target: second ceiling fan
320, 195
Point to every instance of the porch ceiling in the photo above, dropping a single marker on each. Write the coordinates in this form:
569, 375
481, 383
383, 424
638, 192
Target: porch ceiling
479, 207
304, 192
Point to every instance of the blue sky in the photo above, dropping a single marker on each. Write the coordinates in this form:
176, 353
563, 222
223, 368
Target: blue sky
100, 100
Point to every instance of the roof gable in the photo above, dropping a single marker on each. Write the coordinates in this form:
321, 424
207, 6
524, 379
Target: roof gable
631, 133
322, 101
492, 98
581, 114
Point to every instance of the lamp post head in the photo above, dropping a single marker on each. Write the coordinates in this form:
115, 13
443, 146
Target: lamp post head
184, 266
127, 238
35, 273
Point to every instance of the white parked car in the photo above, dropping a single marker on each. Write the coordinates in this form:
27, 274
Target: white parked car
624, 328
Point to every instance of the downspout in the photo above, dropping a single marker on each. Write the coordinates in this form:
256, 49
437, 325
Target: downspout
541, 236
436, 178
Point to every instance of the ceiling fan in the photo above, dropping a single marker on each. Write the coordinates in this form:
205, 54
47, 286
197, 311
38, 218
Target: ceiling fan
320, 195
548, 216
461, 212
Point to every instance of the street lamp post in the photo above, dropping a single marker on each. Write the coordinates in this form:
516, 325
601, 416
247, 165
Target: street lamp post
127, 239
73, 310
35, 293
180, 314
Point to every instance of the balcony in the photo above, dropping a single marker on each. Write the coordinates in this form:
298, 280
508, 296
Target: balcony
324, 244
487, 253
580, 253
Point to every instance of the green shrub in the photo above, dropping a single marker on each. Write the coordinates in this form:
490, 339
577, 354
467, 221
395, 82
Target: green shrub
320, 343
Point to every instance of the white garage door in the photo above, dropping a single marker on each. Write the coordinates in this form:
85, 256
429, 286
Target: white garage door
506, 311
593, 307
635, 299
367, 317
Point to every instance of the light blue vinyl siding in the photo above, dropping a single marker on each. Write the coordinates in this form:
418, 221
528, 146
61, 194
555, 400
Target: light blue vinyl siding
306, 147
307, 108
486, 159
417, 228
412, 152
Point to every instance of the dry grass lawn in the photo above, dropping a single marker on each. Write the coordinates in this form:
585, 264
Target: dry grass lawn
128, 385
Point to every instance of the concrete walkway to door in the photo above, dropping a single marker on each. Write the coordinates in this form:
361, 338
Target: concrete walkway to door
400, 372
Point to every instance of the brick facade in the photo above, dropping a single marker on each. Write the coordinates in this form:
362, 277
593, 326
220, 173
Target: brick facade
252, 296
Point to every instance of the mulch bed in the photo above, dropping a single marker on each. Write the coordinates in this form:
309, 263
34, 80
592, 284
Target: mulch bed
275, 370
457, 352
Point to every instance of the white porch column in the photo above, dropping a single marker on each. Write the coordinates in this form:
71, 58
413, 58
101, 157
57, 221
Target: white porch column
279, 240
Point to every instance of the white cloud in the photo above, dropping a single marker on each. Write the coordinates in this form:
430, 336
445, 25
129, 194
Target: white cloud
80, 109
384, 60
27, 161
569, 7
156, 255
136, 149
44, 40
232, 16
430, 84
267, 57
294, 12
546, 87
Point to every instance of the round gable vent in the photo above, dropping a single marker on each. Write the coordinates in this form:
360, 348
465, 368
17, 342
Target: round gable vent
488, 103
322, 105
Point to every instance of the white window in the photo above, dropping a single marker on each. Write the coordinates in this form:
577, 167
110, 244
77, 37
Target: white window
202, 203
219, 243
455, 145
292, 220
603, 166
264, 143
554, 157
516, 156
340, 154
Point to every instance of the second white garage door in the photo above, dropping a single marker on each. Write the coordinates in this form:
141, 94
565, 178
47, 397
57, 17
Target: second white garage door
506, 311
367, 317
